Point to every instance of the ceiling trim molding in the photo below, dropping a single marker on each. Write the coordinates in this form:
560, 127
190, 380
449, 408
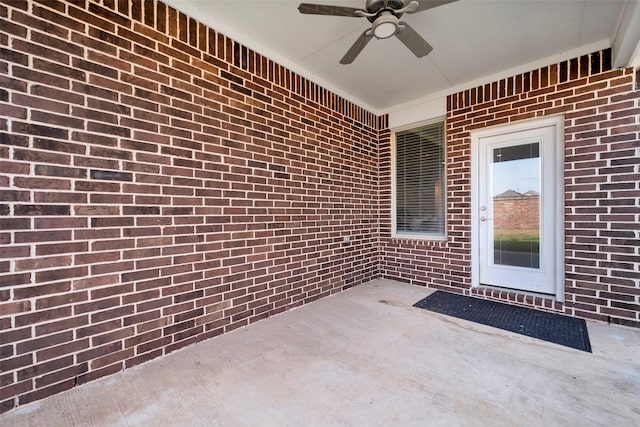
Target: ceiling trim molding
400, 115
625, 36
626, 40
215, 22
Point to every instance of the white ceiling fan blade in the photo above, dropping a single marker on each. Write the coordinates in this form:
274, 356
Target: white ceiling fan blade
413, 41
357, 47
322, 9
430, 4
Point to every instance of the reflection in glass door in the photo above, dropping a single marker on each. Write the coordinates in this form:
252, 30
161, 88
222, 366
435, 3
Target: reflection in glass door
515, 192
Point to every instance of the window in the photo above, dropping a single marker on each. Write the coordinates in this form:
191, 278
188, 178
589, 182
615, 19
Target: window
419, 182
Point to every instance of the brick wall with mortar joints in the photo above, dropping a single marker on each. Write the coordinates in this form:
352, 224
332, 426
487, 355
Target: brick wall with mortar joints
162, 184
601, 108
516, 213
159, 140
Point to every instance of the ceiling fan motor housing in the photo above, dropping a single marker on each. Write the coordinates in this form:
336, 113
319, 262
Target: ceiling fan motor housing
375, 6
384, 16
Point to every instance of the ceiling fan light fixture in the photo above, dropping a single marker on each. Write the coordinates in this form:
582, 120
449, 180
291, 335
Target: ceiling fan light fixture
384, 16
385, 26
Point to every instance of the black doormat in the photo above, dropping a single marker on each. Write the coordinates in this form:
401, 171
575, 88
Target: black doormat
552, 327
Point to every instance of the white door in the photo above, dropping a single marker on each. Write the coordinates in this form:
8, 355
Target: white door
517, 209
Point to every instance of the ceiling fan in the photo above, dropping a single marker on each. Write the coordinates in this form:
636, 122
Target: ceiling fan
384, 16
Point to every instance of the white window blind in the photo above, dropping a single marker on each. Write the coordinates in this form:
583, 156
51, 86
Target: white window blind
420, 181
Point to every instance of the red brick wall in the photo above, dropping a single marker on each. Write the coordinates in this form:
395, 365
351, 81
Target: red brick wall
601, 109
161, 184
516, 213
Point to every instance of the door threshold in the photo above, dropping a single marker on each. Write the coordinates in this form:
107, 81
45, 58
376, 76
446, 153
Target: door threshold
490, 290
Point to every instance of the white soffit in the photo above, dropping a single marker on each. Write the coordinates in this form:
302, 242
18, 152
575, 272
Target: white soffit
626, 40
473, 40
434, 105
213, 13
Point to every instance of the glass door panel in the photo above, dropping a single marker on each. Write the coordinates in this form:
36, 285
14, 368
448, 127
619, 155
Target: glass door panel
516, 184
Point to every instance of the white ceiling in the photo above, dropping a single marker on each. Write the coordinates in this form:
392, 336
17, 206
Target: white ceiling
473, 41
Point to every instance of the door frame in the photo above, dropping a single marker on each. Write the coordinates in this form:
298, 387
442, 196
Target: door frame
552, 121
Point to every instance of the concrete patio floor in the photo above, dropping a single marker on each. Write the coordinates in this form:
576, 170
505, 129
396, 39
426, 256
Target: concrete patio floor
364, 357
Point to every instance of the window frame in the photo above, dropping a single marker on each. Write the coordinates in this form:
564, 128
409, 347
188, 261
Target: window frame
394, 220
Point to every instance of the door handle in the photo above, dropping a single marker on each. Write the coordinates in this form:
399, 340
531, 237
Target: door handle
484, 218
